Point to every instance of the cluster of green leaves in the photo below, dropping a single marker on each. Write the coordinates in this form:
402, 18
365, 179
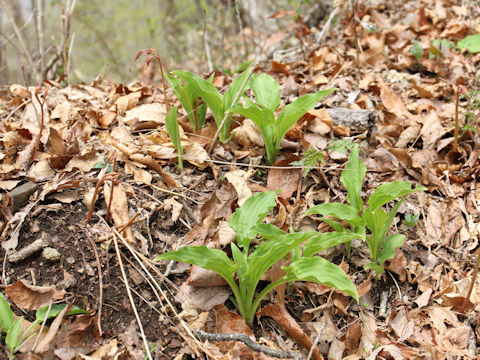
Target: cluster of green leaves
311, 158
250, 264
262, 112
12, 327
373, 218
185, 93
218, 104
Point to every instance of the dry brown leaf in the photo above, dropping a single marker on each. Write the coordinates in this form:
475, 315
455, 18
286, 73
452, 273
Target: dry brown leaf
285, 180
239, 180
119, 208
290, 325
30, 297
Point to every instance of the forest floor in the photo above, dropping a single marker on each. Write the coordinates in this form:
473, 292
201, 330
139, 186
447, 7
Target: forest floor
59, 144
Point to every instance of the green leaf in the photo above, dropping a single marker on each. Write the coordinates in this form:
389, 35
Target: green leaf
392, 190
184, 95
266, 90
417, 50
320, 271
13, 333
55, 310
207, 91
251, 213
390, 244
210, 259
240, 258
374, 266
326, 240
234, 88
378, 222
471, 43
335, 225
352, 178
267, 231
294, 111
271, 251
340, 211
265, 120
173, 130
6, 314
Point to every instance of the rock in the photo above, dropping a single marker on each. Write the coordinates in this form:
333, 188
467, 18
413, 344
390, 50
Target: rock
51, 254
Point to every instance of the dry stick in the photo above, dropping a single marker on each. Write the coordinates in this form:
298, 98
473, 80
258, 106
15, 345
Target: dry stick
474, 277
100, 283
249, 342
38, 10
109, 207
317, 338
222, 124
94, 197
42, 120
319, 39
129, 293
21, 42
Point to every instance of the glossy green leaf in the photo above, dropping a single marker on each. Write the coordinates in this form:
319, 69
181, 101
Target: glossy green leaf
326, 240
352, 178
390, 191
6, 314
210, 259
239, 258
184, 95
266, 90
13, 333
320, 271
252, 212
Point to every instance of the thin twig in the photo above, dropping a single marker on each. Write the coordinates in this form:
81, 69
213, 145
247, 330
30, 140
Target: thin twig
249, 342
227, 114
129, 294
21, 41
317, 338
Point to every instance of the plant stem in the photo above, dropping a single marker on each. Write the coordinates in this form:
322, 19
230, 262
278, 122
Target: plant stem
474, 277
263, 293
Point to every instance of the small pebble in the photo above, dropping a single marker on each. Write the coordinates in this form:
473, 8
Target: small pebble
51, 254
71, 260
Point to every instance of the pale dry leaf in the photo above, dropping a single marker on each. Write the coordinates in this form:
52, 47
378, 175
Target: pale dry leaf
239, 180
119, 208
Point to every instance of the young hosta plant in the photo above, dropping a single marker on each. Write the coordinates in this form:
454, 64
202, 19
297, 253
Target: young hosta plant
373, 217
187, 96
249, 266
171, 123
217, 103
267, 97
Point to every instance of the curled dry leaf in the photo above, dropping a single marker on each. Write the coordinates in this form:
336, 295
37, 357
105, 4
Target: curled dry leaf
30, 297
119, 208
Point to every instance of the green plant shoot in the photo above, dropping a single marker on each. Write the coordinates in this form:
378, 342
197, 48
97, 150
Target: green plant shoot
195, 110
216, 102
262, 113
373, 217
249, 266
171, 122
311, 159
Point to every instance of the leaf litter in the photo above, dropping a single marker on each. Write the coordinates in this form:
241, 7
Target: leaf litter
418, 309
